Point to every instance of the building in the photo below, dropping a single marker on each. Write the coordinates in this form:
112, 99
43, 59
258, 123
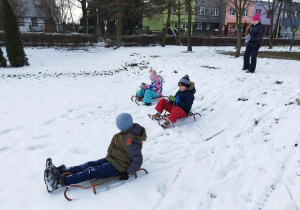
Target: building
290, 20
209, 17
229, 28
32, 19
157, 23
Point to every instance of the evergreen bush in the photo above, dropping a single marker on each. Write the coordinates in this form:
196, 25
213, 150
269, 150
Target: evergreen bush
14, 47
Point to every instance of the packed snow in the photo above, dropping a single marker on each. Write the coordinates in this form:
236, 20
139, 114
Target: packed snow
242, 153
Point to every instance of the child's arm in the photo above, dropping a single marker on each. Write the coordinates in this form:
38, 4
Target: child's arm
155, 85
187, 103
135, 153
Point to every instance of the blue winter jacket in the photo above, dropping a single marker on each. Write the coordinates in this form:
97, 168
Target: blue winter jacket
186, 98
257, 32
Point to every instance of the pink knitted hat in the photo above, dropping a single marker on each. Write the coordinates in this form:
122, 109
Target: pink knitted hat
153, 74
256, 17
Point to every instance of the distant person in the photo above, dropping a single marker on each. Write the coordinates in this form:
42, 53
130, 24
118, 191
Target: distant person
153, 90
178, 106
255, 33
124, 157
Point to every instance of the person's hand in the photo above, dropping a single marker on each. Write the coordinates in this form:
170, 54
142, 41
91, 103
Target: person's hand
123, 175
171, 99
177, 99
143, 85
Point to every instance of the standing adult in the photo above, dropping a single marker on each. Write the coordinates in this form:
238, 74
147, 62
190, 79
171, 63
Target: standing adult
256, 32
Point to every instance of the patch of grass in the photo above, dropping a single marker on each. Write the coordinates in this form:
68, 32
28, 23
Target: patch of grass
272, 54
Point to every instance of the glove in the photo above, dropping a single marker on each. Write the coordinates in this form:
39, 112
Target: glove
171, 99
123, 175
143, 85
177, 99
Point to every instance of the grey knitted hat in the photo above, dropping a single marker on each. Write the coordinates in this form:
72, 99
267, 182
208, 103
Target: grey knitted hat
124, 121
184, 81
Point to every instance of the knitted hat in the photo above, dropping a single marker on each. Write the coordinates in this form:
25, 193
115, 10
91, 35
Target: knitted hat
124, 121
153, 74
184, 81
256, 17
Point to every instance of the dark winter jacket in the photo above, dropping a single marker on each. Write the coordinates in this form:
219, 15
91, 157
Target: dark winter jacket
186, 98
125, 149
257, 32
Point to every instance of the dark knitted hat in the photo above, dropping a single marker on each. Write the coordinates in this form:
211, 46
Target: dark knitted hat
184, 81
124, 121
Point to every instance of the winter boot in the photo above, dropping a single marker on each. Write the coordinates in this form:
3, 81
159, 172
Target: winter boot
147, 104
55, 170
53, 181
156, 116
166, 124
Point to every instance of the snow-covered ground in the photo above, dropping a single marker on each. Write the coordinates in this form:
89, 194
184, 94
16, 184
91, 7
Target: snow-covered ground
243, 153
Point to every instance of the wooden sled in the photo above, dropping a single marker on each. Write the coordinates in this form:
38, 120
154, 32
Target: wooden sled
141, 98
165, 116
94, 183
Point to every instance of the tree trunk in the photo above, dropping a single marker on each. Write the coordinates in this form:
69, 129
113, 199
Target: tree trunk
189, 32
163, 43
292, 40
84, 16
271, 25
178, 24
238, 33
275, 34
119, 25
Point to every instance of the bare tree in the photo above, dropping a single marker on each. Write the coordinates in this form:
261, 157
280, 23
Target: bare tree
189, 32
19, 7
292, 10
50, 11
271, 7
240, 6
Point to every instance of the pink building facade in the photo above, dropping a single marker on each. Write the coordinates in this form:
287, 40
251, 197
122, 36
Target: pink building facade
229, 29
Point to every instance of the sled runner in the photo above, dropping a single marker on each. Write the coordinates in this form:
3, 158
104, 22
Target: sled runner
141, 98
94, 183
165, 116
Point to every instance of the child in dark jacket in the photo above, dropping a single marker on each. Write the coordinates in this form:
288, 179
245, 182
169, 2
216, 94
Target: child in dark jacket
153, 90
124, 157
179, 105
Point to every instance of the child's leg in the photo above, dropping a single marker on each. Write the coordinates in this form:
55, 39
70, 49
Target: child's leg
176, 113
149, 94
100, 171
141, 93
162, 105
82, 167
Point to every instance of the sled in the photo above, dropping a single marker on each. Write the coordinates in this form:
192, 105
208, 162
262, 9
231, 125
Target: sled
165, 116
94, 183
141, 98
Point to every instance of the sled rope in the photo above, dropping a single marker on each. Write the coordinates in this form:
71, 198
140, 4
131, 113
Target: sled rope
93, 185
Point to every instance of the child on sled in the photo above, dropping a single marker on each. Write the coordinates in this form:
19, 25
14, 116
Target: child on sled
124, 157
151, 91
179, 105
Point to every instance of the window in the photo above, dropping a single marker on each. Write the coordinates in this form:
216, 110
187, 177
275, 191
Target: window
285, 14
186, 10
216, 12
296, 14
199, 26
34, 21
185, 25
176, 25
232, 11
233, 27
21, 21
268, 13
173, 9
202, 11
245, 13
283, 28
258, 11
207, 26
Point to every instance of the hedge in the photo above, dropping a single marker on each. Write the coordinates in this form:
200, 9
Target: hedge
54, 39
